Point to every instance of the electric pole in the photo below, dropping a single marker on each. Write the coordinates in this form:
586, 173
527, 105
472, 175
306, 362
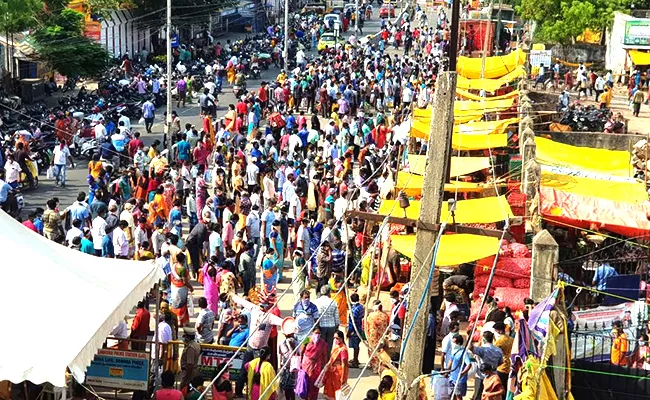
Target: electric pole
168, 120
436, 174
285, 52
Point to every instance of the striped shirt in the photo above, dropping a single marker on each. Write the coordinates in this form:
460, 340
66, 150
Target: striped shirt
329, 311
338, 260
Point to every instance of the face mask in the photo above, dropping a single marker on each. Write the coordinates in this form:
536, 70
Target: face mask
305, 303
642, 343
315, 337
223, 304
456, 347
243, 326
394, 301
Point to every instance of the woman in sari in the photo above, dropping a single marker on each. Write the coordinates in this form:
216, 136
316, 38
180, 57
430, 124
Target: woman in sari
337, 367
141, 186
376, 324
158, 208
340, 299
230, 118
314, 358
180, 289
201, 191
277, 244
211, 282
261, 375
230, 73
269, 271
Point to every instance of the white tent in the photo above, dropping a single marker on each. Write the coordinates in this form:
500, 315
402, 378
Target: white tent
59, 304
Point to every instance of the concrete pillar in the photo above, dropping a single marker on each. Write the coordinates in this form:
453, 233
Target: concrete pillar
545, 256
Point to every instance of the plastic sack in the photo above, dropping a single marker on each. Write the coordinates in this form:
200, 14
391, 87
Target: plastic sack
498, 281
344, 392
190, 304
141, 121
519, 250
513, 298
50, 172
302, 384
441, 387
521, 283
320, 381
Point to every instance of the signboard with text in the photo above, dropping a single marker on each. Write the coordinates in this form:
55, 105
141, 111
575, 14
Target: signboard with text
637, 32
213, 355
540, 57
119, 369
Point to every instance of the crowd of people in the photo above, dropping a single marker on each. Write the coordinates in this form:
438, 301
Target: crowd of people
261, 190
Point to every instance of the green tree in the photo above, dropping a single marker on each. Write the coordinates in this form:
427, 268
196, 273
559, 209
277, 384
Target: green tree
562, 21
61, 44
18, 15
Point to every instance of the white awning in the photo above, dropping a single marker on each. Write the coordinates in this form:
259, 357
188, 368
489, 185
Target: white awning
59, 304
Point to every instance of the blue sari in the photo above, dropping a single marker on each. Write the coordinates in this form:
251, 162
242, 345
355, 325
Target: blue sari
278, 259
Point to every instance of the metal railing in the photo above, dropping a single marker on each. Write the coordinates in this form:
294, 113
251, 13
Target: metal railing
599, 371
583, 272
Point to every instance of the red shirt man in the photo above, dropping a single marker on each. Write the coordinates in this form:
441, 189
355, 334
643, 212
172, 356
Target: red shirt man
262, 94
241, 108
140, 326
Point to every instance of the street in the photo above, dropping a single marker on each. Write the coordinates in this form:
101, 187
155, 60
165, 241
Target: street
76, 182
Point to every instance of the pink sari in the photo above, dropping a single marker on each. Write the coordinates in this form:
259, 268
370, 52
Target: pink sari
211, 288
313, 360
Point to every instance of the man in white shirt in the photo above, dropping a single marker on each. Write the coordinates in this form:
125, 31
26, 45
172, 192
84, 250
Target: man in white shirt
252, 171
340, 206
210, 86
74, 232
269, 188
301, 60
120, 242
60, 160
126, 120
407, 95
100, 129
12, 171
98, 231
164, 332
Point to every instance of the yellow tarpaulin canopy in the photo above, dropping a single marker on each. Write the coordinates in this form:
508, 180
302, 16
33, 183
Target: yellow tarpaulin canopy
484, 210
485, 127
463, 107
495, 67
424, 121
471, 96
411, 185
420, 129
628, 192
489, 85
467, 142
639, 57
459, 165
454, 249
602, 161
